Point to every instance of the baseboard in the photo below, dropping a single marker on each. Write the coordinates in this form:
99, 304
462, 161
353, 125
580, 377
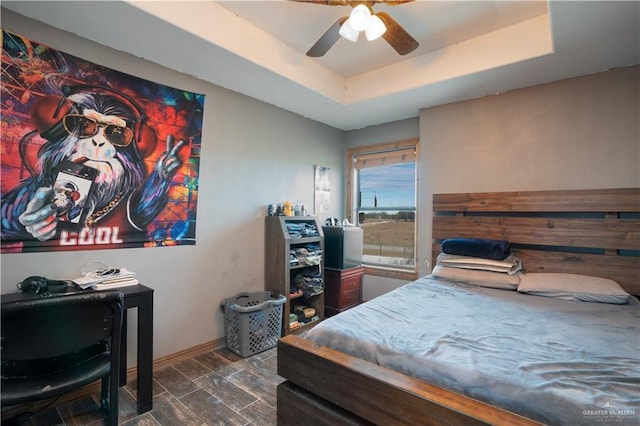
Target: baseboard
179, 356
132, 373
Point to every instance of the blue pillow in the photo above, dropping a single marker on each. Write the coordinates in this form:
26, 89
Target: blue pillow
475, 247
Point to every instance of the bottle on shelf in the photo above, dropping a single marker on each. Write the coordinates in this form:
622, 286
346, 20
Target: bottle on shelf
287, 209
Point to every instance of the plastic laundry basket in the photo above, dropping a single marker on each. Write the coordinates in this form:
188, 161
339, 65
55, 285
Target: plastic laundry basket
253, 322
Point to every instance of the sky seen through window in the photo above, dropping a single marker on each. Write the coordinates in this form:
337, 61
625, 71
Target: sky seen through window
392, 186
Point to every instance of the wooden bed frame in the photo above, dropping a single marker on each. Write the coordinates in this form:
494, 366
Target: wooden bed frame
589, 232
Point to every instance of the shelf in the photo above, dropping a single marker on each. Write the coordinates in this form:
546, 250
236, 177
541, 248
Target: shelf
301, 295
301, 266
305, 240
305, 326
297, 295
280, 273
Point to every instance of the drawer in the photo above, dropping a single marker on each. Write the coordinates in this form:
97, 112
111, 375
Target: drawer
350, 298
343, 289
351, 283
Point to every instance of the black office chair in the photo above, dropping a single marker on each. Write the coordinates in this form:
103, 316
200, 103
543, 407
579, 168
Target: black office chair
53, 345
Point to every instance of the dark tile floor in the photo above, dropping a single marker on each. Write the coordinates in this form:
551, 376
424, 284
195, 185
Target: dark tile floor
215, 388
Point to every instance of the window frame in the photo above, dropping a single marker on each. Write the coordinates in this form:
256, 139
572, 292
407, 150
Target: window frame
351, 201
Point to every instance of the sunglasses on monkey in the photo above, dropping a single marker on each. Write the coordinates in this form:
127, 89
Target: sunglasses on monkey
84, 127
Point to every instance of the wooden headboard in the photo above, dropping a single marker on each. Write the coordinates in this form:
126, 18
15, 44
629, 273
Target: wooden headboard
588, 232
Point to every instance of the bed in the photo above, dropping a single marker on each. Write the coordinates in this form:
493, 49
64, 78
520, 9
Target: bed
595, 233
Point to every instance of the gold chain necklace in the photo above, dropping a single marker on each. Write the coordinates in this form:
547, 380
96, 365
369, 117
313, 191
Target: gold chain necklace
95, 216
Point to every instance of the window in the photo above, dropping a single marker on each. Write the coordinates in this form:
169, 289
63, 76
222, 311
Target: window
382, 190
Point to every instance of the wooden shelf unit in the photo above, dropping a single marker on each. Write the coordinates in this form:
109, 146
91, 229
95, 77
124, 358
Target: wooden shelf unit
280, 274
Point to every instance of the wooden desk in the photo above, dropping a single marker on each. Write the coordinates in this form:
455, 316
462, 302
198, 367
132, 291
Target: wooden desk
137, 296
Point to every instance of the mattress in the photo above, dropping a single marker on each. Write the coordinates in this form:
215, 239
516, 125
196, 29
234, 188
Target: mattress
552, 360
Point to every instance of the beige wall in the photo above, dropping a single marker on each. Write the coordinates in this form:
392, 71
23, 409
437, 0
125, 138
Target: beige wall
580, 133
253, 154
572, 134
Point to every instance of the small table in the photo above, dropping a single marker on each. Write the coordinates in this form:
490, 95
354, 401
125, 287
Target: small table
343, 289
136, 296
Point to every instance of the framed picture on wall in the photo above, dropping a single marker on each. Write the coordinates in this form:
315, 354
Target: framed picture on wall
322, 192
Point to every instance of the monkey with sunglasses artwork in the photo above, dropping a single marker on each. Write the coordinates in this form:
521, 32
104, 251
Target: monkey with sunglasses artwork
98, 132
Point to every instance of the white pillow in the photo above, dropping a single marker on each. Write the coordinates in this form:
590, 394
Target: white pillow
477, 278
573, 287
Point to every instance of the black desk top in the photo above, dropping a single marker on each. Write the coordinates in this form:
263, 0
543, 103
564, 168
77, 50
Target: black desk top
132, 290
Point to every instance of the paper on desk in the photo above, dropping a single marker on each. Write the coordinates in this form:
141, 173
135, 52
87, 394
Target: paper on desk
120, 277
109, 284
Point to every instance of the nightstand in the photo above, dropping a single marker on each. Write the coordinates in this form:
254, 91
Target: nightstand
342, 289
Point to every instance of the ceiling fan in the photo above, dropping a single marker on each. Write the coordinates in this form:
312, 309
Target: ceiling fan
363, 19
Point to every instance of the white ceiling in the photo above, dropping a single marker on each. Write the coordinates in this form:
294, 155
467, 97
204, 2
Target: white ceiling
467, 48
435, 24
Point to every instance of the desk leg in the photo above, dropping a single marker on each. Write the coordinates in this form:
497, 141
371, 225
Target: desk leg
123, 350
145, 355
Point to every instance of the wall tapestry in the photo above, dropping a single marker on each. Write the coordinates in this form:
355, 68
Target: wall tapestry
93, 158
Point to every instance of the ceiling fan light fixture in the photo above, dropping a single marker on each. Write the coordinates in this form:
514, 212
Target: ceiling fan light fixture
348, 32
363, 18
375, 29
360, 17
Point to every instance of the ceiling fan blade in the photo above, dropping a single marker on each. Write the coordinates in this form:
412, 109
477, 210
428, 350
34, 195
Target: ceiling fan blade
324, 2
334, 2
327, 40
353, 3
397, 36
394, 2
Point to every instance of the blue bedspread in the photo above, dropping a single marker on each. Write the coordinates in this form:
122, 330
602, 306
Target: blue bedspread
555, 361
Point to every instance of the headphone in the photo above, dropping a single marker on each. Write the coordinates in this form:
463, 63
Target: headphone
47, 114
332, 221
42, 285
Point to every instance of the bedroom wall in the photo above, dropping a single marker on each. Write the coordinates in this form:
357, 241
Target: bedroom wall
373, 286
578, 133
253, 154
573, 134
